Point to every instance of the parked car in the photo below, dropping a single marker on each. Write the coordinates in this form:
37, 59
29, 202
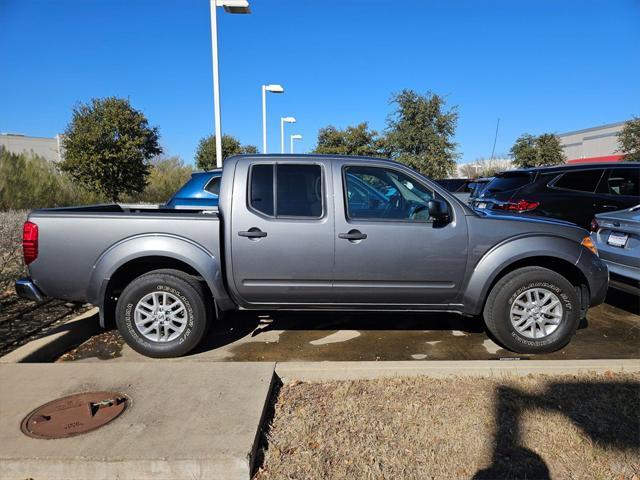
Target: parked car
574, 193
296, 232
202, 190
477, 187
460, 187
617, 236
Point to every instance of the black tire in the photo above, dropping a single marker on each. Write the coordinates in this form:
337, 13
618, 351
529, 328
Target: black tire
505, 292
179, 284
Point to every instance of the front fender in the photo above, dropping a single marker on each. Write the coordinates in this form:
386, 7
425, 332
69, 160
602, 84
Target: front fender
161, 245
509, 252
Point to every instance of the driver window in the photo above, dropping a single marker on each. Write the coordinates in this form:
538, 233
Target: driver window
377, 193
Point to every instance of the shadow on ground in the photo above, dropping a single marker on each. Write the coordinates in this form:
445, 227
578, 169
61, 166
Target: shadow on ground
606, 412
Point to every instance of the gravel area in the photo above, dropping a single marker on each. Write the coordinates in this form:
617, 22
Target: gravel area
536, 427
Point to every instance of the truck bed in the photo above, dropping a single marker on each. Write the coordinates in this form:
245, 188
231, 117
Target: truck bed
73, 240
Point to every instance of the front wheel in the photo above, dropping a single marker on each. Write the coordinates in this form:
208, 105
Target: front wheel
532, 310
162, 314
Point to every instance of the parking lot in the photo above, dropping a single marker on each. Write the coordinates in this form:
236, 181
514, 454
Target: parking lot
611, 330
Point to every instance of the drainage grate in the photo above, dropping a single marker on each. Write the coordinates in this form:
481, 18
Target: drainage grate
73, 415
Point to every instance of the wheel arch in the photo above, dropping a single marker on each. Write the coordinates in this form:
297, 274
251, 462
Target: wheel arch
558, 254
134, 257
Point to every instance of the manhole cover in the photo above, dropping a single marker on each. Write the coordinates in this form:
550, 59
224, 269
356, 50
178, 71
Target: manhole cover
73, 415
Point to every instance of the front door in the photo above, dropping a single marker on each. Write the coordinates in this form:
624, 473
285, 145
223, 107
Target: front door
388, 251
282, 232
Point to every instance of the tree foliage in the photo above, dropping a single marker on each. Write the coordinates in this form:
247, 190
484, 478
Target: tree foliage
29, 181
206, 152
353, 140
107, 146
537, 151
420, 133
167, 175
629, 140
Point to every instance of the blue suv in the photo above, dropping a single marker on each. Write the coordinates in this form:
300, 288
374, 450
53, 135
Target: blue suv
202, 190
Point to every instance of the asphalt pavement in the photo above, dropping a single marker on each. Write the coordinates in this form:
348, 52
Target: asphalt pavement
611, 331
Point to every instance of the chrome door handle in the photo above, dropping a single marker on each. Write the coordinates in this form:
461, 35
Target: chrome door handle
253, 233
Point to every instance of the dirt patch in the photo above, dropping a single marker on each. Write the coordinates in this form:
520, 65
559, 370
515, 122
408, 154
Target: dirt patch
423, 428
104, 346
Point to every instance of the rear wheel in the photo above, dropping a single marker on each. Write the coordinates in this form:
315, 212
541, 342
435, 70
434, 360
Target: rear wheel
532, 310
163, 313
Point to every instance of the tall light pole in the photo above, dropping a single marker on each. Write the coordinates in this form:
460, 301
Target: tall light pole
295, 137
284, 120
230, 6
273, 89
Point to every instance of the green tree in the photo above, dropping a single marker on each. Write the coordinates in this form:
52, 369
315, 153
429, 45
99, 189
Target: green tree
107, 146
167, 175
629, 140
358, 140
206, 152
537, 151
420, 133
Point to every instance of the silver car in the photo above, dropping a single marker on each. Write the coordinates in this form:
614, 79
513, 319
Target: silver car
617, 237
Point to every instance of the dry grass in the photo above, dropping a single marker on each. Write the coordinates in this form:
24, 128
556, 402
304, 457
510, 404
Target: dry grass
423, 428
11, 264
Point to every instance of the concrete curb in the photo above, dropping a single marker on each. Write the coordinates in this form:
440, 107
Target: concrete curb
324, 371
61, 339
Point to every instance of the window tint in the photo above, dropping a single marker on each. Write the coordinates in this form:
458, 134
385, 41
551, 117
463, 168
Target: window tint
508, 181
261, 189
623, 181
385, 194
583, 180
299, 190
213, 186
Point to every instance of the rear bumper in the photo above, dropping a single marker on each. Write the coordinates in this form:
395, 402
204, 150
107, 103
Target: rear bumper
25, 288
597, 274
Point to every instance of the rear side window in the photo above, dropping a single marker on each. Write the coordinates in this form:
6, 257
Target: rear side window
509, 181
213, 186
298, 190
582, 181
261, 189
623, 181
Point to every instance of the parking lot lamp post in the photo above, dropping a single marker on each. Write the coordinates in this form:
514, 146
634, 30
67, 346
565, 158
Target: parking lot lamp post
284, 120
230, 6
295, 137
265, 89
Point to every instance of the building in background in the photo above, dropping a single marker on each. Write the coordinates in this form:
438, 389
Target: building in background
596, 144
49, 148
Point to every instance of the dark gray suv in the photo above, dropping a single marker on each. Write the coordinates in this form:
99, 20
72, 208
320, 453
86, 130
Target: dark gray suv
574, 193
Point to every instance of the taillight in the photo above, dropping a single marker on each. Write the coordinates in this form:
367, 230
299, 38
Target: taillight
29, 242
593, 226
519, 207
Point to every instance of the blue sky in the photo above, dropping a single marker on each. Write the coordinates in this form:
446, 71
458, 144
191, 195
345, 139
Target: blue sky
538, 65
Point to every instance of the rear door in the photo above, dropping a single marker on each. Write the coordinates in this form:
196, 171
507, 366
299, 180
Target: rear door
387, 249
282, 232
570, 195
620, 188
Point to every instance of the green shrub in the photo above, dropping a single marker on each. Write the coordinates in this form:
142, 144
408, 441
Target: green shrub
29, 181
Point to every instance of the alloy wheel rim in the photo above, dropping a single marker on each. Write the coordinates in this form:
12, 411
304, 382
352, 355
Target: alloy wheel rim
536, 313
160, 317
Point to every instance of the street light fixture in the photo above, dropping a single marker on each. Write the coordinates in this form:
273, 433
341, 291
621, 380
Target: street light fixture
284, 120
274, 88
230, 6
295, 137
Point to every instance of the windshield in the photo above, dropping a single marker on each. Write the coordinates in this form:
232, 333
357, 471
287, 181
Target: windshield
508, 181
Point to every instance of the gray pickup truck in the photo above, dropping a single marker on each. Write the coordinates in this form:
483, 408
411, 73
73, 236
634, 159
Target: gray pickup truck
306, 232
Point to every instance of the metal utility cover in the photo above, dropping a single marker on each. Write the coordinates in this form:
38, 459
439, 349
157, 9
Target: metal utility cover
74, 414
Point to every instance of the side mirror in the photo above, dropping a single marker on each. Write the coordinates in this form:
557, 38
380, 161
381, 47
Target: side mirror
438, 210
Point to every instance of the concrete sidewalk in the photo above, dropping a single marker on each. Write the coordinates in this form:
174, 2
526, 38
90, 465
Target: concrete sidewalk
186, 421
